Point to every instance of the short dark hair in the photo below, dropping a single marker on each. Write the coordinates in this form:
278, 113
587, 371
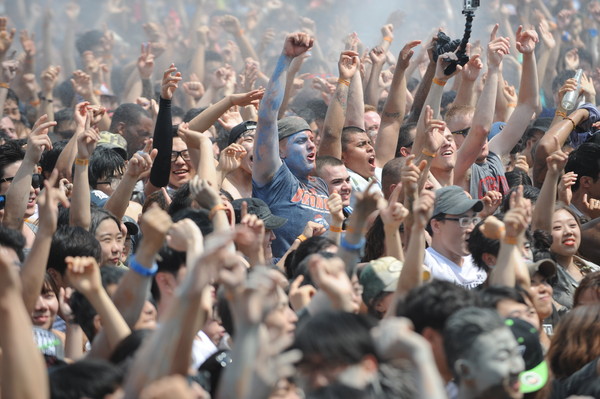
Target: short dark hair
589, 282
168, 261
311, 245
129, 114
10, 152
181, 199
49, 157
13, 239
479, 244
347, 134
104, 162
326, 160
88, 40
584, 161
431, 304
391, 174
72, 241
490, 297
192, 113
462, 330
338, 338
92, 378
405, 139
529, 192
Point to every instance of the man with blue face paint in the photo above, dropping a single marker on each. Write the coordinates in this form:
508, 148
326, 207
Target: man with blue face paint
284, 158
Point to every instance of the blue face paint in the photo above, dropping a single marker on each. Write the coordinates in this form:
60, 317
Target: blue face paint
300, 154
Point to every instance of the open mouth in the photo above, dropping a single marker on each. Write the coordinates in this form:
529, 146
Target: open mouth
570, 242
372, 161
311, 156
180, 172
447, 153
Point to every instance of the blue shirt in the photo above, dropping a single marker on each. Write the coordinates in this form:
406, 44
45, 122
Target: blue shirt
299, 201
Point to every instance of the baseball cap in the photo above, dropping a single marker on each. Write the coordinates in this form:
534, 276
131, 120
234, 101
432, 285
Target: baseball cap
131, 225
536, 373
115, 142
259, 208
495, 129
452, 200
291, 125
379, 275
240, 129
546, 267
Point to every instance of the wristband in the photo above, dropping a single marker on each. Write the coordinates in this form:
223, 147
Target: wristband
344, 82
302, 238
593, 32
427, 153
387, 38
34, 103
141, 270
512, 105
439, 82
4, 85
352, 247
572, 121
82, 161
560, 113
48, 100
215, 209
335, 229
511, 240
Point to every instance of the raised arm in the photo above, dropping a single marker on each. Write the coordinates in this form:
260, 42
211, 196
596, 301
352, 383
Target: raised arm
482, 119
84, 275
331, 140
266, 147
80, 214
544, 207
23, 371
34, 267
372, 91
18, 192
394, 109
392, 216
528, 100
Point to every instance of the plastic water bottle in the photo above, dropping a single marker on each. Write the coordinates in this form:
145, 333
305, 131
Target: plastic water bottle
570, 98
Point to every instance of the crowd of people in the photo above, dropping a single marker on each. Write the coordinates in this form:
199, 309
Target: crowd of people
292, 199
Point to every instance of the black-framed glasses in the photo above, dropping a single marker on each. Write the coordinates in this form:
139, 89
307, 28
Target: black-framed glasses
184, 154
465, 221
462, 132
112, 181
36, 180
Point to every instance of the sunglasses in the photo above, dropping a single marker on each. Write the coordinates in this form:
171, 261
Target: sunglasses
36, 180
462, 132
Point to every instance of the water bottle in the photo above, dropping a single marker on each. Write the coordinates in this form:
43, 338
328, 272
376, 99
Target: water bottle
570, 98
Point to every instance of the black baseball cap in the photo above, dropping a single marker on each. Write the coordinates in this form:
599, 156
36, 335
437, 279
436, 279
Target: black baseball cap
240, 129
536, 372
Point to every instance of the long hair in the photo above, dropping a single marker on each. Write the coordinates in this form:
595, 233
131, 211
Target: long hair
575, 342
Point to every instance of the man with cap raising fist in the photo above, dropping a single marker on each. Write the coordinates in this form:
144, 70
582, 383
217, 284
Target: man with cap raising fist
448, 257
284, 157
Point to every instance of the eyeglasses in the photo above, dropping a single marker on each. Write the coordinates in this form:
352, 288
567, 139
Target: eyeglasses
465, 221
36, 180
463, 132
112, 181
185, 155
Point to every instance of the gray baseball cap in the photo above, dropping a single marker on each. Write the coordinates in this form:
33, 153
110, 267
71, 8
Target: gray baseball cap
453, 200
291, 125
545, 267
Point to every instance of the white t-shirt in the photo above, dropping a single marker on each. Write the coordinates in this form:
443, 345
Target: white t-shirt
468, 275
202, 349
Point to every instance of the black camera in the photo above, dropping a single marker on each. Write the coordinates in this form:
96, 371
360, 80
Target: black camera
445, 44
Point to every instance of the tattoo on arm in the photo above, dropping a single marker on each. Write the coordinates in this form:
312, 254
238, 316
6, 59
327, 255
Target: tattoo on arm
393, 115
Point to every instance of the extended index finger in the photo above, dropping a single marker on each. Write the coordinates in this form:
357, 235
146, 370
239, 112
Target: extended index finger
494, 32
244, 209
